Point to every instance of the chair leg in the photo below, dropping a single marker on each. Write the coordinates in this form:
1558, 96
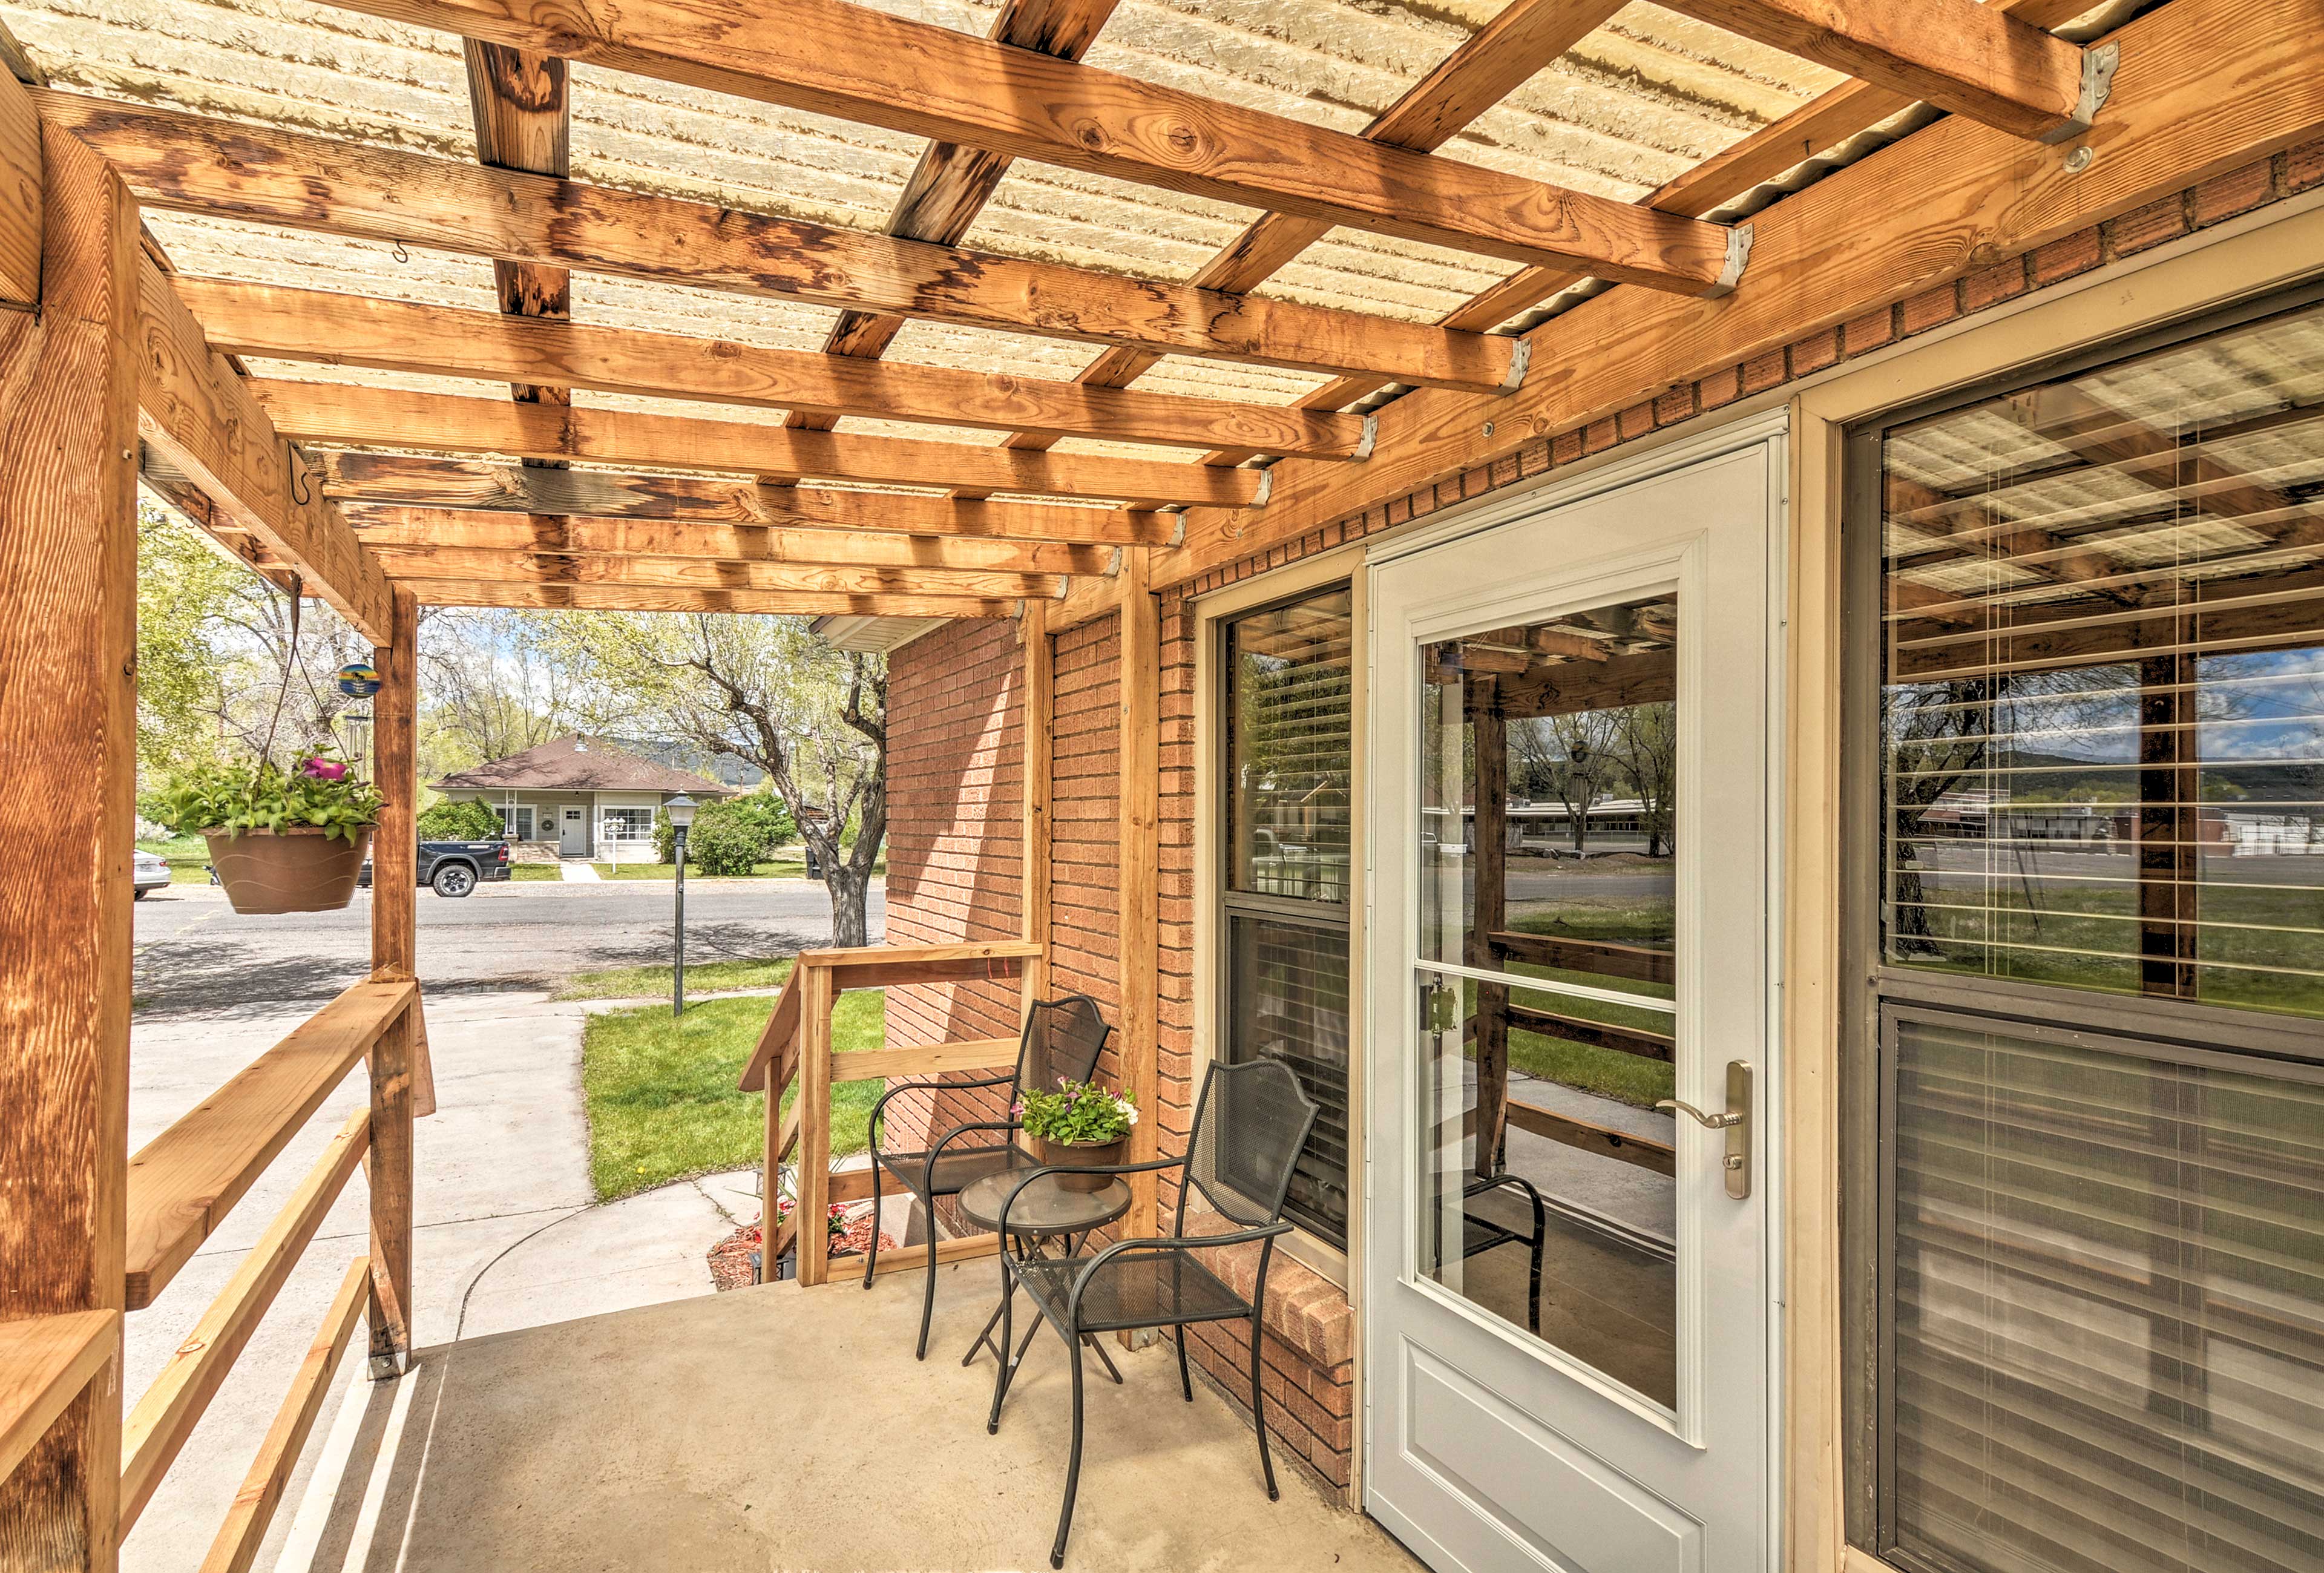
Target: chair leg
1002, 1355
1185, 1381
872, 1256
1258, 1404
928, 1294
1073, 1464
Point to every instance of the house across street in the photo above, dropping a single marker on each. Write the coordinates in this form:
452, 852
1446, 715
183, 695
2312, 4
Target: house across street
578, 797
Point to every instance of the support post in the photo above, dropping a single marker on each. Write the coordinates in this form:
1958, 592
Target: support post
69, 375
1140, 828
1039, 702
1488, 916
815, 1122
394, 946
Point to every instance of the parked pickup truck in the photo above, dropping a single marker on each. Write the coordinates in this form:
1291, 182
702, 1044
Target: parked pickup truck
452, 867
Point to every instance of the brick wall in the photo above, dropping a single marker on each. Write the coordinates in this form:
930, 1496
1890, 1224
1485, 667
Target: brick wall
1084, 801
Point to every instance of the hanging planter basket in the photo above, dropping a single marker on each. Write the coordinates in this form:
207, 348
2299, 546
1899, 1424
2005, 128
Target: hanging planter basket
296, 870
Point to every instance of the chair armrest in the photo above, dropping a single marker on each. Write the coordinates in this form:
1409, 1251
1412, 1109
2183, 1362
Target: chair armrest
872, 1123
936, 1148
1078, 1169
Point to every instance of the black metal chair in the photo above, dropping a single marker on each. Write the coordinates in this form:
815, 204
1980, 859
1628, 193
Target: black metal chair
1250, 1123
1482, 1233
1061, 1042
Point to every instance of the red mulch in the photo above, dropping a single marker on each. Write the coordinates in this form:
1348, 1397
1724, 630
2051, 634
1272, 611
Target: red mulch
729, 1259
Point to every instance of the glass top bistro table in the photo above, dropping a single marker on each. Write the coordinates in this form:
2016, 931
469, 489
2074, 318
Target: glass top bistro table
1046, 1215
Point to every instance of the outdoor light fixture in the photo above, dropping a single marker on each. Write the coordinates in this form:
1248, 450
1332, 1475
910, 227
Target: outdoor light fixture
680, 809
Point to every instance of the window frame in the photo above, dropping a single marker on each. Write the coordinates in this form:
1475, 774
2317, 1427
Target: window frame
1211, 613
1872, 990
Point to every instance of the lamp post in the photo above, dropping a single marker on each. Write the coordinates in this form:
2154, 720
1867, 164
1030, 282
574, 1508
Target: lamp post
680, 809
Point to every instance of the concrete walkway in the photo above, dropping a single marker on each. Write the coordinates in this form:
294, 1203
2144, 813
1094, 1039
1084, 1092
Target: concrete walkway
578, 873
505, 1235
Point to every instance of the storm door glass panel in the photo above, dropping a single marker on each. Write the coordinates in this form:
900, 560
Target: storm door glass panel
1548, 852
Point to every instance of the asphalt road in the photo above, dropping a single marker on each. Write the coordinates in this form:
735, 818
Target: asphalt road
195, 956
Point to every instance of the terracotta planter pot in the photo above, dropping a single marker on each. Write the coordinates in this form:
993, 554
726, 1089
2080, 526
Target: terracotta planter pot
300, 870
1076, 1154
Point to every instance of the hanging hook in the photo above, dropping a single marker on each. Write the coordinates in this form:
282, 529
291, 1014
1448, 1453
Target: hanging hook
402, 255
301, 493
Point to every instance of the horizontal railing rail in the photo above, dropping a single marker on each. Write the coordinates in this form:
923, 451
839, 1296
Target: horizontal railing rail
45, 1363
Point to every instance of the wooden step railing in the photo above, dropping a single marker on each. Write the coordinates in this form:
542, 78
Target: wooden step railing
182, 1185
796, 1048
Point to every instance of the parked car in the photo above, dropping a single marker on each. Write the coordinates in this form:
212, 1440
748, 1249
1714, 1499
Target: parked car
452, 868
148, 871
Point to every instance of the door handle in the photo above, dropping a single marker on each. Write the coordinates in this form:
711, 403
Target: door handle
1736, 1121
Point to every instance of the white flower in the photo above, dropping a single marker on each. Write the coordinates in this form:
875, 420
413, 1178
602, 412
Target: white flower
1129, 1111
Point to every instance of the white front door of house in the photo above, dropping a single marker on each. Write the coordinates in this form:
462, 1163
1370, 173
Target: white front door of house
1568, 1322
573, 831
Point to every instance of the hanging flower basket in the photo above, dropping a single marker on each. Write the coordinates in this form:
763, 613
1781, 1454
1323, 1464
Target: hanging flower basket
281, 841
301, 868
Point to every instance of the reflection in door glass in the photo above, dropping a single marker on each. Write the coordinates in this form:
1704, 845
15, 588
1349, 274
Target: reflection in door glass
1549, 760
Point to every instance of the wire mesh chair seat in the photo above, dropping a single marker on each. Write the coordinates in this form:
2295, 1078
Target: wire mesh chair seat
1061, 1042
1251, 1121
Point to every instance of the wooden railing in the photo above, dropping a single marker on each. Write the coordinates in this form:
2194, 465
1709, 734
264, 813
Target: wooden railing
180, 1187
796, 1048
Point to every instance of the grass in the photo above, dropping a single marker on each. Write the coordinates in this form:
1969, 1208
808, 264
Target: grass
1608, 1072
188, 858
788, 863
617, 983
535, 870
660, 1093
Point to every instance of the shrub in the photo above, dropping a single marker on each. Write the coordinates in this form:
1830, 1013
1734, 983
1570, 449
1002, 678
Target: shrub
321, 792
461, 819
730, 836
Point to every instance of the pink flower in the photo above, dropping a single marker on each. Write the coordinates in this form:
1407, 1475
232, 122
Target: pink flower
324, 769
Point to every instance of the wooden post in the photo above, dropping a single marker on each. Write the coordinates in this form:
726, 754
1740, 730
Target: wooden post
68, 733
1488, 914
815, 1122
1039, 702
1140, 827
395, 896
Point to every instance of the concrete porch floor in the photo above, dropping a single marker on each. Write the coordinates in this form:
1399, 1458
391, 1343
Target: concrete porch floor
782, 1429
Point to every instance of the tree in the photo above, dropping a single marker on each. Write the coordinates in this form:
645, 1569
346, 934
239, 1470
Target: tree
460, 820
1646, 742
1570, 757
765, 690
493, 684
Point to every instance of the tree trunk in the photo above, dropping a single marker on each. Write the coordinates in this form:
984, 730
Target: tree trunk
849, 890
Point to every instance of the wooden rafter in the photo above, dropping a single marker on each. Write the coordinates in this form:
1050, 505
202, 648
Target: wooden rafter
832, 57
651, 599
484, 565
356, 478
523, 120
341, 414
319, 325
536, 226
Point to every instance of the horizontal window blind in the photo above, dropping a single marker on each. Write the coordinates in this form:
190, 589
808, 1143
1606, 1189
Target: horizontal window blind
1288, 983
2108, 1303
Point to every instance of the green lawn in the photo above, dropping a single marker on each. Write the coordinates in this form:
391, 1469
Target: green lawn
188, 858
535, 870
660, 1093
788, 863
619, 983
1608, 1072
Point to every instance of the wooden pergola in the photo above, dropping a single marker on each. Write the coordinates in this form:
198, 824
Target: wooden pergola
115, 365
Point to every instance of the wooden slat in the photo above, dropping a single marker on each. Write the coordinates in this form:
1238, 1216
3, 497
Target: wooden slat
318, 326
537, 226
813, 1107
1601, 1140
933, 1059
45, 1362
778, 1038
1598, 1034
383, 528
1640, 962
966, 1249
364, 481
2205, 88
831, 58
645, 598
184, 1182
423, 1062
484, 565
518, 102
199, 413
1958, 54
1138, 829
20, 195
336, 413
863, 958
243, 1533
167, 1413
69, 738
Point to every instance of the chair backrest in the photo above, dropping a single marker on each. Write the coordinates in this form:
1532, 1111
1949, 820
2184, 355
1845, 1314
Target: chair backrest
1061, 1042
1250, 1123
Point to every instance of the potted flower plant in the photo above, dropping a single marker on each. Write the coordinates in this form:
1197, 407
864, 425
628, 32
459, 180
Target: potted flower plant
1080, 1123
281, 840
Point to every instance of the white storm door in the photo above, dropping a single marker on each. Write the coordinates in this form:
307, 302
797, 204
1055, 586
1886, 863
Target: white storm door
573, 838
1571, 754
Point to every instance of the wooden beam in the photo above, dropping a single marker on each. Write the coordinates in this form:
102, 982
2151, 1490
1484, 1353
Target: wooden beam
1637, 962
335, 329
184, 1182
478, 565
1957, 54
338, 413
517, 100
395, 843
167, 1413
1597, 1034
1138, 829
646, 598
969, 1248
68, 732
933, 1059
200, 414
383, 528
1037, 703
2205, 87
240, 1538
402, 480
815, 998
536, 226
831, 58
20, 195
45, 1362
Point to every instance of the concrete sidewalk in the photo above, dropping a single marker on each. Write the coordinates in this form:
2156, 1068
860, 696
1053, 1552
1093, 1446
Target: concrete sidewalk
505, 1235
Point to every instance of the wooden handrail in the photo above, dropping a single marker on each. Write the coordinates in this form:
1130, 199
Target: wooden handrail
1602, 1140
782, 1031
882, 966
184, 1182
166, 1416
934, 1060
45, 1362
1635, 1040
1643, 963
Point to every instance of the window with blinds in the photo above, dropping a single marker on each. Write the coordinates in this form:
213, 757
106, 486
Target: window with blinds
1287, 676
2099, 749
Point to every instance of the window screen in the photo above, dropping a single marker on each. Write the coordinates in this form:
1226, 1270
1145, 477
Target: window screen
1288, 677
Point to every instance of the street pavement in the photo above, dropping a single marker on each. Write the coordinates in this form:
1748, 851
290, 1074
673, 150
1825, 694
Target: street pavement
196, 956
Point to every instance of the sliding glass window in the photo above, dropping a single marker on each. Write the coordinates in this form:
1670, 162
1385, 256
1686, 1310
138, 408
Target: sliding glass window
1286, 676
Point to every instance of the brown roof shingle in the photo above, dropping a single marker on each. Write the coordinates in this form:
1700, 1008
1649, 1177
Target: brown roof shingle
577, 763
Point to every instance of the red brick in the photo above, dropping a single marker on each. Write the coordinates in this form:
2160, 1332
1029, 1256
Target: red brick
2150, 225
2236, 191
1674, 406
2303, 166
1867, 332
2063, 259
1990, 286
1598, 436
1635, 421
1720, 387
1567, 447
1763, 371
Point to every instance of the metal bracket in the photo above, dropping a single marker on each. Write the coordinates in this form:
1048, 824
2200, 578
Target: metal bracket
1738, 252
1266, 486
1520, 362
1371, 435
2099, 63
